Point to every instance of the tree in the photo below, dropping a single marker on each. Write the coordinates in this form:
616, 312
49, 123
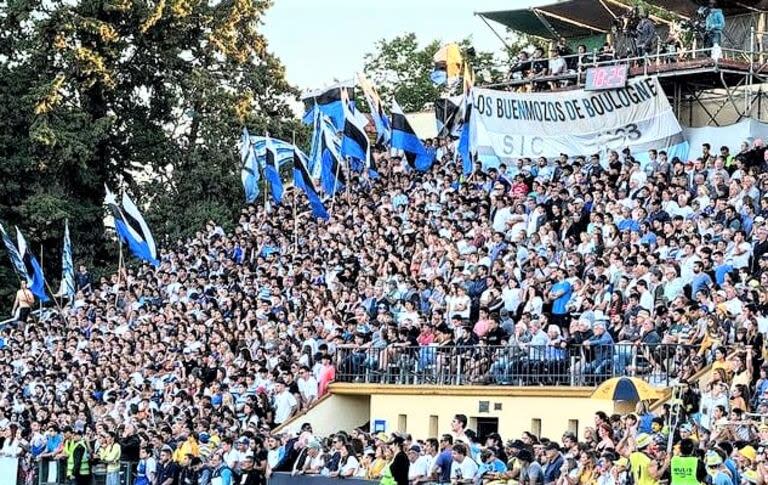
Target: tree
401, 68
150, 95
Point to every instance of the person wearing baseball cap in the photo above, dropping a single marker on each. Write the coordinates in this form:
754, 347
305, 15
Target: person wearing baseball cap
640, 462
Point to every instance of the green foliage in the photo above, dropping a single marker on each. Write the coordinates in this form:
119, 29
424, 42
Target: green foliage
400, 67
146, 95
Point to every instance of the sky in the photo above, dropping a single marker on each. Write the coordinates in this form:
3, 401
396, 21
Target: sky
322, 40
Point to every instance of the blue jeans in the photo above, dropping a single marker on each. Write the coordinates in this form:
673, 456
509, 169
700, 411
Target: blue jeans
622, 357
113, 478
712, 38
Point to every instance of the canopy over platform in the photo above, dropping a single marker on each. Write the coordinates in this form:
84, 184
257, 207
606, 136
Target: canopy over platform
584, 18
730, 7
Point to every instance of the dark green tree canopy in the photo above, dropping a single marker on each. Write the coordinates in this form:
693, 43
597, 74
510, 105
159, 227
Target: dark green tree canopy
400, 67
149, 95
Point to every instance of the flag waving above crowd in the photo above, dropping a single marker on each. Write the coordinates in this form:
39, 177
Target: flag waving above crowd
249, 173
326, 159
33, 270
380, 120
67, 265
405, 139
131, 227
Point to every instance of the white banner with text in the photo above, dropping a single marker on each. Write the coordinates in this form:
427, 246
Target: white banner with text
515, 125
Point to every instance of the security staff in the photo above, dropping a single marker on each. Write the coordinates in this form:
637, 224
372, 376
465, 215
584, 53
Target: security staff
685, 468
78, 459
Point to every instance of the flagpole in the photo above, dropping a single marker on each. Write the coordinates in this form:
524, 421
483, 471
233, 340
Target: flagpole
42, 265
295, 217
119, 267
45, 280
333, 193
264, 178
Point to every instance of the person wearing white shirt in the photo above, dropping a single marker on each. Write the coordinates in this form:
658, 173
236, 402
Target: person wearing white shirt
646, 297
285, 403
419, 467
463, 468
307, 386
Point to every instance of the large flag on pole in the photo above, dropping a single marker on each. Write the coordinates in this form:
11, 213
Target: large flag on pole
327, 162
131, 227
448, 113
249, 173
465, 140
13, 254
35, 277
354, 141
380, 120
303, 181
272, 171
405, 139
67, 265
327, 101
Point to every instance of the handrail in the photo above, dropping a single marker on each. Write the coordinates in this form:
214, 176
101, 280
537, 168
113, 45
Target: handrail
520, 365
656, 59
37, 312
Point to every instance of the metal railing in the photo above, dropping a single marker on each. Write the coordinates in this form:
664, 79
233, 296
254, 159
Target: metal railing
650, 62
520, 365
98, 473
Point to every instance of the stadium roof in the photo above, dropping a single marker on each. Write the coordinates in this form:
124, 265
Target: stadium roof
581, 18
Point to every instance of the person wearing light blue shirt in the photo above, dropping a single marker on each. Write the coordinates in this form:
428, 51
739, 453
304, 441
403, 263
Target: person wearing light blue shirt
490, 464
714, 24
399, 200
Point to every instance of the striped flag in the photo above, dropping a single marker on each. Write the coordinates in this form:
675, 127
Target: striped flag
354, 141
380, 120
405, 139
131, 227
272, 171
465, 147
303, 181
67, 266
13, 254
35, 277
249, 173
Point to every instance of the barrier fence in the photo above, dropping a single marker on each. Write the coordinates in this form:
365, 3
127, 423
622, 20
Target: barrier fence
127, 475
521, 365
53, 472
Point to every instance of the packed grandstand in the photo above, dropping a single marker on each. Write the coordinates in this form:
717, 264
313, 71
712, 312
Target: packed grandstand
548, 271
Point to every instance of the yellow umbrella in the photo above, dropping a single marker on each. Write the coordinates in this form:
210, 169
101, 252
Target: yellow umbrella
626, 389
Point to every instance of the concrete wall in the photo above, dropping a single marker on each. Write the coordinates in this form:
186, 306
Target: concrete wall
426, 411
335, 412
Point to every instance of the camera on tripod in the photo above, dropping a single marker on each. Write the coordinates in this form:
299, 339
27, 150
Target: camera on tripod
698, 23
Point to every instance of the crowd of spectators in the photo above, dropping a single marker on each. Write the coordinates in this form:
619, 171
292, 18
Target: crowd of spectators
238, 330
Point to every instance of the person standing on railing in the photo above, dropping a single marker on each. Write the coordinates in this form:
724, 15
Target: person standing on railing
78, 462
714, 25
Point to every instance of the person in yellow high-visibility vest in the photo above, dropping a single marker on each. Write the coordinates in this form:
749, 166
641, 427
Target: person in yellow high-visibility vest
685, 467
110, 453
78, 466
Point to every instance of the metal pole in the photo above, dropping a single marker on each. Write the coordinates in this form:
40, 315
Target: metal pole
42, 264
119, 268
333, 192
750, 79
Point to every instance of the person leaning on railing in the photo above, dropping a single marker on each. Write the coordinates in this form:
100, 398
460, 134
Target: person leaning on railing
78, 459
109, 453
